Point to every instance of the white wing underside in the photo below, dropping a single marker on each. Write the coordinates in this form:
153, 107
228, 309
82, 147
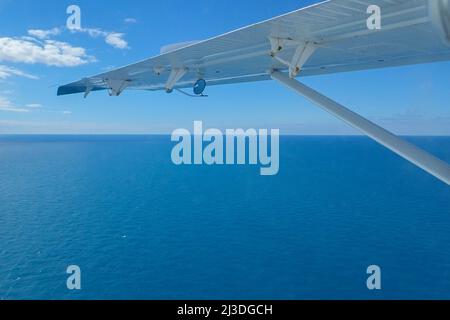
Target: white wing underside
337, 29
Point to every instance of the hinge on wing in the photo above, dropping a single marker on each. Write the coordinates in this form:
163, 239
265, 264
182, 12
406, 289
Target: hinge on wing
175, 75
89, 87
158, 70
116, 87
304, 50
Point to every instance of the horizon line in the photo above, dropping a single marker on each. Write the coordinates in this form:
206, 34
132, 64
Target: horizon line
169, 134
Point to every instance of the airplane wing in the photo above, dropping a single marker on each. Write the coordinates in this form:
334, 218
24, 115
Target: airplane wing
332, 36
329, 37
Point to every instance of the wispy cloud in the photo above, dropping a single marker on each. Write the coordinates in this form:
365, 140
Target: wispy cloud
7, 106
34, 105
44, 34
130, 20
48, 52
114, 39
7, 72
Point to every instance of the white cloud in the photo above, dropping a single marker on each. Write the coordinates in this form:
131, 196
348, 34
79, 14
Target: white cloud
6, 72
116, 40
8, 106
48, 52
93, 32
44, 34
112, 38
131, 20
34, 105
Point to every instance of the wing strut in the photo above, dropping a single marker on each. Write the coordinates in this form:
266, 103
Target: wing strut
175, 76
417, 156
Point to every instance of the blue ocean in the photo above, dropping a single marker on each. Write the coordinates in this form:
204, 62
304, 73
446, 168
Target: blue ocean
140, 227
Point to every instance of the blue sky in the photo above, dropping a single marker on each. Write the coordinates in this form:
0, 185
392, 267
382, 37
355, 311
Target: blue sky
407, 100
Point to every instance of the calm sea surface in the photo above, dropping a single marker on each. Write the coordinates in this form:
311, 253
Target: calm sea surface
142, 228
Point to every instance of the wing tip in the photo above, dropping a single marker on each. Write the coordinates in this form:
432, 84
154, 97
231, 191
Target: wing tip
68, 89
74, 89
60, 91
